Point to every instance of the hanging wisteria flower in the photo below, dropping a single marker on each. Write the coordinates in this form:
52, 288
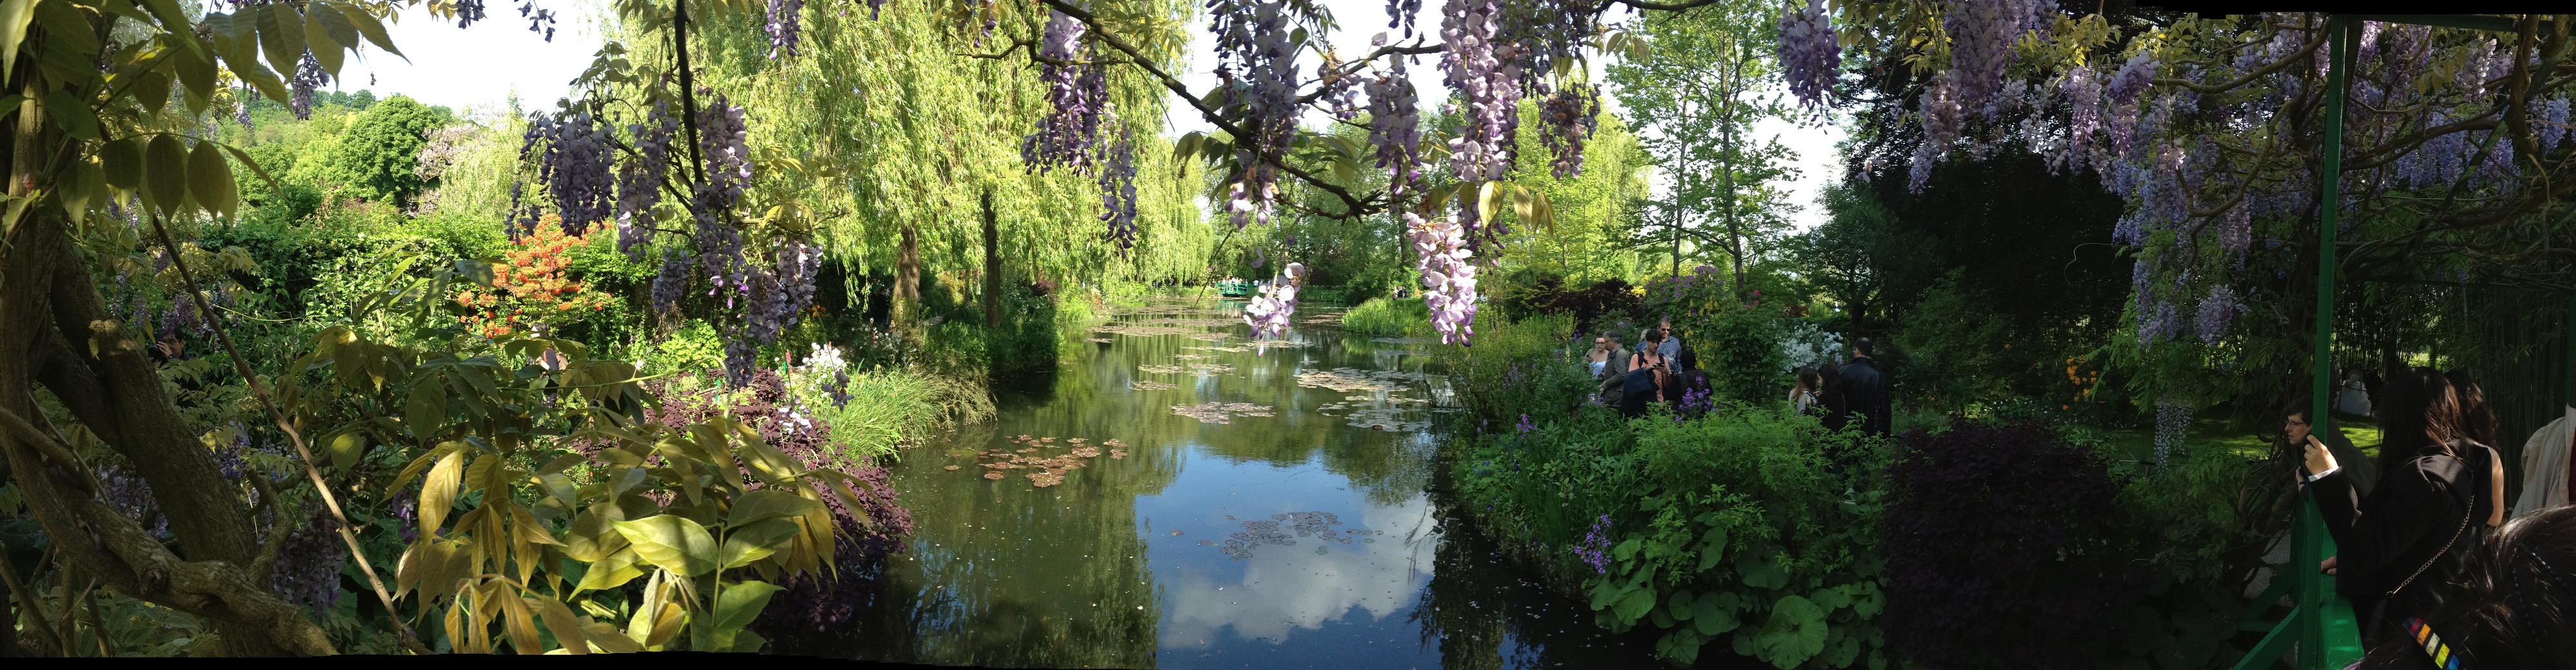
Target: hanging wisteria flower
575, 162
639, 182
2216, 312
1486, 74
1810, 54
783, 27
309, 77
1077, 99
1448, 280
1395, 126
1269, 314
1118, 192
1570, 115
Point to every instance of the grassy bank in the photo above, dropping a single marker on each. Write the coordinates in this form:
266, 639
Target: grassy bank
1385, 317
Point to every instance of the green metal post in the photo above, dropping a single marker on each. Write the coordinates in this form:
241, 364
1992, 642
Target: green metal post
2328, 639
2322, 625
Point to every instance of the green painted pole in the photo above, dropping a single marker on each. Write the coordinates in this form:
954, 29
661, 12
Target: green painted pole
2328, 639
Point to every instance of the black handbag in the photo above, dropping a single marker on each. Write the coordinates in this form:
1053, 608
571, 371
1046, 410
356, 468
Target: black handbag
2468, 514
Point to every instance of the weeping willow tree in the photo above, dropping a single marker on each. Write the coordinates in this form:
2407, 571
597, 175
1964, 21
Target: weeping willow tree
898, 124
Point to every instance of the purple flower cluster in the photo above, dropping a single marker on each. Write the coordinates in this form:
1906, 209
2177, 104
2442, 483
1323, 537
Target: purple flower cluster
783, 27
1395, 126
1448, 281
1811, 56
1486, 73
1269, 314
576, 158
1257, 68
1595, 549
1118, 192
1078, 99
309, 77
1569, 115
639, 182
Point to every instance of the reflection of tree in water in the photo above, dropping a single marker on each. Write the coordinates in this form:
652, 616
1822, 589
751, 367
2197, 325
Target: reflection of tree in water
1485, 614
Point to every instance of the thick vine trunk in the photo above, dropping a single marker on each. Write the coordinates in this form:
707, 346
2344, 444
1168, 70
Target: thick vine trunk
54, 332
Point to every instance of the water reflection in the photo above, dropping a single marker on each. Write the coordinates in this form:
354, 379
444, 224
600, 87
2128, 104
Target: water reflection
1342, 556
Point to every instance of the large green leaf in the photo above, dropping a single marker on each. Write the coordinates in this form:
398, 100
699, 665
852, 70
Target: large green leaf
1715, 614
593, 535
1634, 604
1795, 633
14, 17
121, 162
673, 543
165, 182
210, 179
438, 493
740, 603
611, 572
281, 35
757, 541
764, 504
318, 39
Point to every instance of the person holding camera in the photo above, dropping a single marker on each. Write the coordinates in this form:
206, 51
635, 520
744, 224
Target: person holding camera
2397, 546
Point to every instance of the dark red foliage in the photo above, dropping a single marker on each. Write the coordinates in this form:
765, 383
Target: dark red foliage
1608, 301
2002, 551
808, 606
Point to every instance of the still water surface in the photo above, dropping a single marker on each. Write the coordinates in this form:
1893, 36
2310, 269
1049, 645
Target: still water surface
1228, 539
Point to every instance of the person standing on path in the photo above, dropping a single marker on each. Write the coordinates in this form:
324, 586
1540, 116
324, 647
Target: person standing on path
1671, 349
1863, 386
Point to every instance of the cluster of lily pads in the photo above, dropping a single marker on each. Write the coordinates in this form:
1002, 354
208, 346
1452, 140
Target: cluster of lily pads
1317, 525
1222, 412
1033, 454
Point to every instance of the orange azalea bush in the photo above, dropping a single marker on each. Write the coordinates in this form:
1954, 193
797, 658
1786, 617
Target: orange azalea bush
531, 290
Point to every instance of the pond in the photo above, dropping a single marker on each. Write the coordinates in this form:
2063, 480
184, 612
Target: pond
1177, 496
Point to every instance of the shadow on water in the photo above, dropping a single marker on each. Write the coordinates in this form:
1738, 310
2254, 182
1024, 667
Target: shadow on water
1262, 506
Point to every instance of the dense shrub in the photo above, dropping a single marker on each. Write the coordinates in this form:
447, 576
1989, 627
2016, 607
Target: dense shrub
1738, 341
2003, 550
1730, 527
1516, 370
1388, 317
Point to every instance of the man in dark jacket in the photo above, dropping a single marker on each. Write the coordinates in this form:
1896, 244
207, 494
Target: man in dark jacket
1864, 389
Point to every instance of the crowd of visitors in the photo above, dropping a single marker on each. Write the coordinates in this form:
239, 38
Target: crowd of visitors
2419, 548
1663, 369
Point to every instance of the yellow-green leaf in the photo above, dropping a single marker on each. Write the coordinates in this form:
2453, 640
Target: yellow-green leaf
757, 541
766, 504
593, 537
373, 29
346, 448
438, 493
611, 572
562, 622
75, 118
673, 543
67, 29
14, 17
210, 179
165, 178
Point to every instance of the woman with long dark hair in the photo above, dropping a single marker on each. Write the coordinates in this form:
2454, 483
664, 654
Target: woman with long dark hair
2414, 531
2513, 607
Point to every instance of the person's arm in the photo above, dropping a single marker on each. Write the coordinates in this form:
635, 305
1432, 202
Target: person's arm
2370, 533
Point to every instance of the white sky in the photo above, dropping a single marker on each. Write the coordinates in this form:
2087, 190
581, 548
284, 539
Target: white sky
476, 71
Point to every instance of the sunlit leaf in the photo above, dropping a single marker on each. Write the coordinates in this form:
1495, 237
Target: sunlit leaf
671, 542
740, 603
438, 493
757, 541
210, 180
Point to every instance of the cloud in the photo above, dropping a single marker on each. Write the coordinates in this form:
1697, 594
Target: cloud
1285, 588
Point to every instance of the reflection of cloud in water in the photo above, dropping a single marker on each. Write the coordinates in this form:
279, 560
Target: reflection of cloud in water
1294, 587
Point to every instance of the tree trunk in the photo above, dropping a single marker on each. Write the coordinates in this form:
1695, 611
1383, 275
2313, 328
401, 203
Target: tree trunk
907, 277
1726, 120
992, 266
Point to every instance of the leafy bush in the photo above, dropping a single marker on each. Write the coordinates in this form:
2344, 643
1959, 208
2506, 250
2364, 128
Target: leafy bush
1388, 317
1517, 370
1729, 527
2002, 548
1738, 341
1960, 350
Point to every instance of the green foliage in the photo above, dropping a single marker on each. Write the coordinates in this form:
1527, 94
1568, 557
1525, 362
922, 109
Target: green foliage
1528, 368
690, 349
1957, 348
1738, 341
1388, 317
1730, 527
378, 157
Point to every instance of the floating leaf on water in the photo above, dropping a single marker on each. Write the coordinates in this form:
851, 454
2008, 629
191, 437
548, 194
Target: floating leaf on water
1187, 357
1176, 533
1209, 337
1133, 330
952, 467
1151, 385
1117, 453
992, 475
1220, 412
1161, 369
1102, 340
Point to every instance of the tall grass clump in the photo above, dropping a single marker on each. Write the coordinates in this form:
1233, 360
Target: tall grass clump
1388, 318
873, 412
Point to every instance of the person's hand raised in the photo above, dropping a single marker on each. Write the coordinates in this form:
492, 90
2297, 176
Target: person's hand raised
2319, 458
